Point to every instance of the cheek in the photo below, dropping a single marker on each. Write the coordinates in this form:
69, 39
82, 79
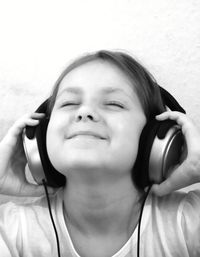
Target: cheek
57, 127
126, 138
127, 133
53, 136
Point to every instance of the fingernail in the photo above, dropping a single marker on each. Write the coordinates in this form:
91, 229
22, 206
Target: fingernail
41, 113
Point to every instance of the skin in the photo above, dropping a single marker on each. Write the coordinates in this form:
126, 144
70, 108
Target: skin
101, 205
100, 201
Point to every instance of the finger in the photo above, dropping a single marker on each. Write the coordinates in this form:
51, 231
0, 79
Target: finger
163, 115
29, 116
37, 115
28, 119
179, 117
177, 180
188, 127
32, 119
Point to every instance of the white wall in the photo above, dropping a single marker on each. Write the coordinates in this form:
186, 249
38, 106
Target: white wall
39, 37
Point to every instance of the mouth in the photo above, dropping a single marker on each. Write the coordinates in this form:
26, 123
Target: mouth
87, 134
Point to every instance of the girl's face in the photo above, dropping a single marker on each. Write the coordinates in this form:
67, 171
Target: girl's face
96, 121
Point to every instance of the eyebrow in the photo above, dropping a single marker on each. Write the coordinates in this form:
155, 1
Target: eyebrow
107, 90
74, 90
111, 90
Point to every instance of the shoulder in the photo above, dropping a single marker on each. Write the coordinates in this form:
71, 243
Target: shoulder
20, 217
170, 202
178, 203
191, 213
10, 226
13, 208
178, 214
184, 202
190, 222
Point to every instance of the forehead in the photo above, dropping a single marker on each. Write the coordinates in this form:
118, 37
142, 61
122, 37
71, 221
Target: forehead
97, 75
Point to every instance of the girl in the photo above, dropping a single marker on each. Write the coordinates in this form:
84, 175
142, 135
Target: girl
98, 109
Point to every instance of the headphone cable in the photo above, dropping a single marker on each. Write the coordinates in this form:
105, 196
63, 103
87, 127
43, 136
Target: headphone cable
55, 230
52, 220
140, 220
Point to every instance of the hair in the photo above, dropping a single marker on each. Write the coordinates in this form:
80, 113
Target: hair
143, 82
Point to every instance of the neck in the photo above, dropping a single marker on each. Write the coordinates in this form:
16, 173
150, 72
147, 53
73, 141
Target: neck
102, 208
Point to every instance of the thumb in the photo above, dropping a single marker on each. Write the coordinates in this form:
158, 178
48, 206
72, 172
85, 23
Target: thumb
161, 189
178, 179
35, 190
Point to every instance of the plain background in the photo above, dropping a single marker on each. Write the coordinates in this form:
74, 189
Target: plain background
39, 38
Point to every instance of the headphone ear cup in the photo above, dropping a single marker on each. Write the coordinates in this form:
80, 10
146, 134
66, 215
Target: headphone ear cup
53, 177
140, 171
160, 147
166, 151
30, 132
34, 140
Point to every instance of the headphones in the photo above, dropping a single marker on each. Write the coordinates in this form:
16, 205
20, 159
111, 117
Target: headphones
160, 147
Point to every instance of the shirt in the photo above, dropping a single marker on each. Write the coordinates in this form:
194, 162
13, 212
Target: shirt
170, 226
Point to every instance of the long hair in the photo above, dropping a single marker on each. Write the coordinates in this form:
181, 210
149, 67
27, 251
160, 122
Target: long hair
143, 82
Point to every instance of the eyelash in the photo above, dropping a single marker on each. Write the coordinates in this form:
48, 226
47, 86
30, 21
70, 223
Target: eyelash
117, 104
111, 103
69, 103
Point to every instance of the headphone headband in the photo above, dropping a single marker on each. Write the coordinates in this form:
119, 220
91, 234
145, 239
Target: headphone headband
170, 101
152, 131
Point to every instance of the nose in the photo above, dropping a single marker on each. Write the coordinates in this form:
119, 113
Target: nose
87, 113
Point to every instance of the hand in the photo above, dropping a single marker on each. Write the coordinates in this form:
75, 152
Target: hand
188, 172
13, 160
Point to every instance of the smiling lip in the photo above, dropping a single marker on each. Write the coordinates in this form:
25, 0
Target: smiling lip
86, 133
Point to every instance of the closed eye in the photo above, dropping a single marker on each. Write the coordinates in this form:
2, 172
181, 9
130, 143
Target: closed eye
70, 104
115, 104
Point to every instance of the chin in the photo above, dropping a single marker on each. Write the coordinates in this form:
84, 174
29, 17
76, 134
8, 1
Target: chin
78, 161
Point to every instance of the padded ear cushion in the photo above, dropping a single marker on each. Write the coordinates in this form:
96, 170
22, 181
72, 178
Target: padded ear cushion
140, 169
164, 127
53, 177
153, 128
30, 131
